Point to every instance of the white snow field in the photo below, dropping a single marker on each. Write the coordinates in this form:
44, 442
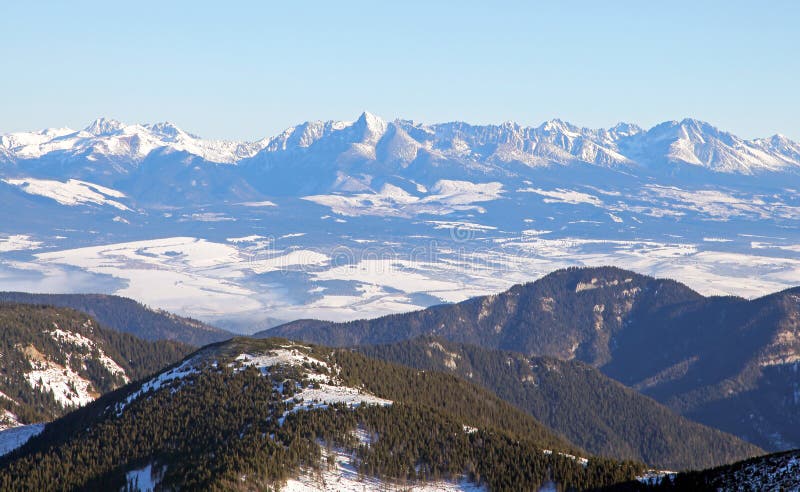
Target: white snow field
213, 280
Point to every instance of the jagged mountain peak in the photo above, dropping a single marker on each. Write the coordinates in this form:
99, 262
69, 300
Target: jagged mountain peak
557, 125
104, 126
166, 128
373, 126
625, 129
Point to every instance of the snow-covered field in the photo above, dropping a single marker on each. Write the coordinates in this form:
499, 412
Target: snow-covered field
446, 197
294, 277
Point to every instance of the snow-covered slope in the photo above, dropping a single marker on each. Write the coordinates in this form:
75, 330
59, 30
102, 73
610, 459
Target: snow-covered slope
327, 390
72, 192
56, 360
698, 143
14, 437
63, 374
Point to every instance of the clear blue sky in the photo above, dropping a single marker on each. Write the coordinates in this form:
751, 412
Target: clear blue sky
245, 70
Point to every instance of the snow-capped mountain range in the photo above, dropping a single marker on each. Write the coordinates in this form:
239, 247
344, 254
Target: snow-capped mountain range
401, 142
453, 210
108, 139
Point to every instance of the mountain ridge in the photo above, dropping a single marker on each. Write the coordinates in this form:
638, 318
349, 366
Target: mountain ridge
723, 361
692, 142
128, 316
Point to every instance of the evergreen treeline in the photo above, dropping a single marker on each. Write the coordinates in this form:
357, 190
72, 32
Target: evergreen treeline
25, 335
226, 430
570, 397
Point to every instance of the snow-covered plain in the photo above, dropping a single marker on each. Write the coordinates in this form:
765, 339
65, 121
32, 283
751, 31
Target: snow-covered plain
295, 277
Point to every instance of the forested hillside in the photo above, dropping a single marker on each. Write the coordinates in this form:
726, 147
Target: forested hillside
56, 359
727, 362
252, 414
575, 399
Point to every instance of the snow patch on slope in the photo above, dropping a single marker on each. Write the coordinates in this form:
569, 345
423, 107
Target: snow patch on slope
187, 368
327, 391
79, 340
72, 192
68, 387
344, 477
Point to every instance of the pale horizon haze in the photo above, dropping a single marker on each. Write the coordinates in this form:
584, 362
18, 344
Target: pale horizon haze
247, 70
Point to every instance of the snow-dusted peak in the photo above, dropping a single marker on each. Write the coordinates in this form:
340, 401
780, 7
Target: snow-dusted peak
17, 141
169, 130
560, 127
104, 126
623, 129
371, 120
372, 126
687, 129
303, 135
782, 144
